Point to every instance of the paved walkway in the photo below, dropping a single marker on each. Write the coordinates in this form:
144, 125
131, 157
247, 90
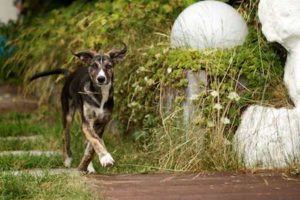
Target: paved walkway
217, 186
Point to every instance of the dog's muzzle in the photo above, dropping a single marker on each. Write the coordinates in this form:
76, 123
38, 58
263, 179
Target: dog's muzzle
101, 80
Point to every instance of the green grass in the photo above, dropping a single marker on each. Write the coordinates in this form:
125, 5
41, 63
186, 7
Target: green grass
42, 143
130, 157
9, 162
46, 187
27, 186
18, 129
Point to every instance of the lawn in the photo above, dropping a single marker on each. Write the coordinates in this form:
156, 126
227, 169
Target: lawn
130, 157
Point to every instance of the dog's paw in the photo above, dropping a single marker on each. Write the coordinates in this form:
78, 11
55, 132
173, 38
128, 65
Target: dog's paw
106, 160
91, 168
68, 162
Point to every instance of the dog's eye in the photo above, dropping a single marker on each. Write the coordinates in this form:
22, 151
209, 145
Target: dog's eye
95, 66
108, 66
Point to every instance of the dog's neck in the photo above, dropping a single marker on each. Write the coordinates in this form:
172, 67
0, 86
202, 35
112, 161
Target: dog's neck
98, 95
99, 89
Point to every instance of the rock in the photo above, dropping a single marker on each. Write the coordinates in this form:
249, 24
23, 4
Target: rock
268, 137
209, 24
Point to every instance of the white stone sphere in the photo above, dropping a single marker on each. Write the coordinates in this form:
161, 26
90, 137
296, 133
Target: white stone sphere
209, 24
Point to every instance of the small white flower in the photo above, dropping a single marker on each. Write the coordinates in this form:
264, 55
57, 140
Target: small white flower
138, 88
133, 104
226, 141
218, 106
210, 124
149, 81
169, 70
234, 96
214, 93
194, 97
225, 120
157, 55
142, 69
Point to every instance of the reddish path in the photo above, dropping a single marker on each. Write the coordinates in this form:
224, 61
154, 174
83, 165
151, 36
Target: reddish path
217, 186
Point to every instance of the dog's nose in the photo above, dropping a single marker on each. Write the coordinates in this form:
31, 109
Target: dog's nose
101, 79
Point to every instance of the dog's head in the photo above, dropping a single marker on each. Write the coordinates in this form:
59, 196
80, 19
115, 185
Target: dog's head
100, 65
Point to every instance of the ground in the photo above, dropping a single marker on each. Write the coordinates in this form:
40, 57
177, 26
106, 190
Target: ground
206, 186
31, 165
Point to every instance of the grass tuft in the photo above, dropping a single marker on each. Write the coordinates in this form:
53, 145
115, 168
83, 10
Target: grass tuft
48, 187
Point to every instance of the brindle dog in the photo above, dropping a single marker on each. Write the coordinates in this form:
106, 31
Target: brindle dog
90, 91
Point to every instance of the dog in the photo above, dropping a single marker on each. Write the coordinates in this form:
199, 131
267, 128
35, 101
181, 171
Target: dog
88, 90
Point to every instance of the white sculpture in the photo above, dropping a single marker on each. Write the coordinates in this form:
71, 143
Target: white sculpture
209, 24
281, 23
206, 25
269, 137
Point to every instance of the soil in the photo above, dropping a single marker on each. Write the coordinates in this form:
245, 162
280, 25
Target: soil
224, 186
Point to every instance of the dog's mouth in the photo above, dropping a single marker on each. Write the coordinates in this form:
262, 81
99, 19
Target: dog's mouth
102, 84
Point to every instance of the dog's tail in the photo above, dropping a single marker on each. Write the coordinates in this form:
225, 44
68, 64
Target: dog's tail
48, 73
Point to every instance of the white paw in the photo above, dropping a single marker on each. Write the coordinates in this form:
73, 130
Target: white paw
106, 160
68, 162
91, 168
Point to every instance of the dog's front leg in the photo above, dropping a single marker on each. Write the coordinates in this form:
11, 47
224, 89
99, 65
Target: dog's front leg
86, 161
98, 145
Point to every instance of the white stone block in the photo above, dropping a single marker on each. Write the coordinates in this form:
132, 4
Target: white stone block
268, 137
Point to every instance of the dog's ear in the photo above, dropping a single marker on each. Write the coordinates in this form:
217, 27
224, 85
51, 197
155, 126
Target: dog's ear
85, 56
116, 55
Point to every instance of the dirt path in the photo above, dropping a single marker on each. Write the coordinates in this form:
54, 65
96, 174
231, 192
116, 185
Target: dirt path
217, 186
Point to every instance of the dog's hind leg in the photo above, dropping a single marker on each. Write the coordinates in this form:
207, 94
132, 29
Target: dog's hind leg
68, 114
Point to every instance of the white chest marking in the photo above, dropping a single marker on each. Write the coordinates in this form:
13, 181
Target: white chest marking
105, 95
98, 111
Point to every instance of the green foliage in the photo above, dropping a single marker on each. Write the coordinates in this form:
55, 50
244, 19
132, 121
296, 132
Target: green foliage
47, 42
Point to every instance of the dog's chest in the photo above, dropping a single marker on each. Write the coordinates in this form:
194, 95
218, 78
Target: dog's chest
97, 111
